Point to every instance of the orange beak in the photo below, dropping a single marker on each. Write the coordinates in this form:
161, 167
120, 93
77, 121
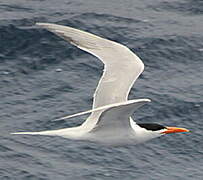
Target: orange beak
175, 130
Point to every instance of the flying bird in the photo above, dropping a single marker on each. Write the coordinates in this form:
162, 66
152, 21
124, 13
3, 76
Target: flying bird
110, 121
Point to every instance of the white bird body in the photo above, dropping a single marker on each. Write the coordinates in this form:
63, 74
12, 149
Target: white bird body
110, 120
114, 127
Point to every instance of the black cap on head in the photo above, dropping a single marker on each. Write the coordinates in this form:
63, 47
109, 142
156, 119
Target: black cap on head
151, 126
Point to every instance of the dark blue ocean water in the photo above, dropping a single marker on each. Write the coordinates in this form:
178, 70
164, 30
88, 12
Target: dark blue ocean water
168, 37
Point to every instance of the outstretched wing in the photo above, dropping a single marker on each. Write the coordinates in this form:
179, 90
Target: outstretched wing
116, 119
121, 66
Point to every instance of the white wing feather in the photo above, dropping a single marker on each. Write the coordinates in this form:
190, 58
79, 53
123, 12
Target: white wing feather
122, 66
114, 117
118, 117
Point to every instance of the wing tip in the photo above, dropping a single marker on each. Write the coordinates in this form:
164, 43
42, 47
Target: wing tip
148, 100
27, 133
45, 25
141, 100
17, 133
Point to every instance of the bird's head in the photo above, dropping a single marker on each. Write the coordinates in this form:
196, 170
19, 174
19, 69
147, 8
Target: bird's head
160, 129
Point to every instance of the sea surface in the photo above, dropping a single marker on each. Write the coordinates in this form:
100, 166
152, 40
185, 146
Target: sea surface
42, 77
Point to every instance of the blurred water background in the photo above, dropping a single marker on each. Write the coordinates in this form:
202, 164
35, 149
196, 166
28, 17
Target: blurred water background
42, 77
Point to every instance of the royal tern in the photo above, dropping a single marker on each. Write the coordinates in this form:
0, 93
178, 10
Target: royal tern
110, 120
